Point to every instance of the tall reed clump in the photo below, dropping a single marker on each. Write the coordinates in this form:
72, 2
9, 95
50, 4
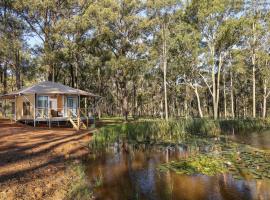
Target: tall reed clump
240, 125
155, 131
203, 127
173, 130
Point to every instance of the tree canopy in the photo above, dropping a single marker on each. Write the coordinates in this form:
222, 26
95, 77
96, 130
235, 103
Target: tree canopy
173, 58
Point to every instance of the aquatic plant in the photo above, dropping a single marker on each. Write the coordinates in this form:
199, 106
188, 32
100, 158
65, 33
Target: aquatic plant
201, 164
241, 161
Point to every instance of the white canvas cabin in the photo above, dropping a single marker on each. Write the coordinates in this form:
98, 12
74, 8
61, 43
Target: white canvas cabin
47, 102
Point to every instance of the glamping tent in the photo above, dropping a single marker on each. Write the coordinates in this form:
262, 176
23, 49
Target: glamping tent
47, 101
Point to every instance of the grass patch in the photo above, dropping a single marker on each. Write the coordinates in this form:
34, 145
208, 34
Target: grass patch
80, 188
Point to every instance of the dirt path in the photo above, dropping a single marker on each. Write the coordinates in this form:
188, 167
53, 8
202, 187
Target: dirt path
33, 162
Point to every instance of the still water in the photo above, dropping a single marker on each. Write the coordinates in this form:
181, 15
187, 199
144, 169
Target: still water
259, 140
131, 173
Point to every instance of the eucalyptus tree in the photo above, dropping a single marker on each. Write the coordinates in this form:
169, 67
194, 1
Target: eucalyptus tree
160, 14
185, 54
119, 29
42, 18
264, 63
13, 48
217, 22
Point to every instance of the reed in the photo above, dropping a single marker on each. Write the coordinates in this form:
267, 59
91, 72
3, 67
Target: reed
177, 131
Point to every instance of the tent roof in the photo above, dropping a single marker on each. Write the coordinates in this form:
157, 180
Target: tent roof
48, 87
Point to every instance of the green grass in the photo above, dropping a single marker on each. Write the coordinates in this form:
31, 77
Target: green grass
80, 188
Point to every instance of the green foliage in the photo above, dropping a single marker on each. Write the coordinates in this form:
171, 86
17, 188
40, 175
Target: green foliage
241, 125
198, 164
176, 131
241, 161
80, 188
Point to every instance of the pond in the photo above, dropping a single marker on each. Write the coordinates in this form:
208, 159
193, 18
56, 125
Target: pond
128, 171
257, 139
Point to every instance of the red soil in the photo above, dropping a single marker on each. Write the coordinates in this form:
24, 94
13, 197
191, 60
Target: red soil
33, 160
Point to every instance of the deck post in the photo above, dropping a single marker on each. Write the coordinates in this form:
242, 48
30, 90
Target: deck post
15, 112
5, 109
85, 111
50, 122
35, 97
78, 112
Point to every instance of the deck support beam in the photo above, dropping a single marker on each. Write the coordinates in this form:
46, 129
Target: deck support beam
35, 97
15, 109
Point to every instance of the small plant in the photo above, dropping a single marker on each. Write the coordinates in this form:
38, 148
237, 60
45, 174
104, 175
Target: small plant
98, 180
80, 188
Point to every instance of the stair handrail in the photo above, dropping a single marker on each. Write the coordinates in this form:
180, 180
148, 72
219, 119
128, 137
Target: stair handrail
84, 115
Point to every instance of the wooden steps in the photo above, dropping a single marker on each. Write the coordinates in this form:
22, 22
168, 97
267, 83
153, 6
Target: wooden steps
77, 123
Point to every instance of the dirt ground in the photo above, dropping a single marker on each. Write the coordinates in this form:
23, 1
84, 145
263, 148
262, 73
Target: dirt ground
33, 161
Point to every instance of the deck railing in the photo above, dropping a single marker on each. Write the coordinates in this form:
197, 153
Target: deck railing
46, 112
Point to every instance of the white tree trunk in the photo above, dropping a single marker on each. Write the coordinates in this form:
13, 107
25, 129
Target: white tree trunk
164, 52
232, 98
215, 106
265, 96
225, 96
198, 102
253, 72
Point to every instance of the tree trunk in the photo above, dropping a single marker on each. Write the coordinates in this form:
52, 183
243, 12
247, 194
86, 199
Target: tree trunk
99, 90
134, 100
232, 97
225, 96
164, 58
265, 95
215, 106
18, 70
216, 103
125, 104
198, 102
5, 79
253, 72
72, 75
186, 104
161, 109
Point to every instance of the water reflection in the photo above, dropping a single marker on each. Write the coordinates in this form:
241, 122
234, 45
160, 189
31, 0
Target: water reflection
257, 139
130, 173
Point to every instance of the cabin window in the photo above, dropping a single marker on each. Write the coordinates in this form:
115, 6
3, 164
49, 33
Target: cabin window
42, 101
26, 108
70, 102
13, 107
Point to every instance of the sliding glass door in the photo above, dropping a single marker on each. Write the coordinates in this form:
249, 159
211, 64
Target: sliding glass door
42, 106
72, 106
